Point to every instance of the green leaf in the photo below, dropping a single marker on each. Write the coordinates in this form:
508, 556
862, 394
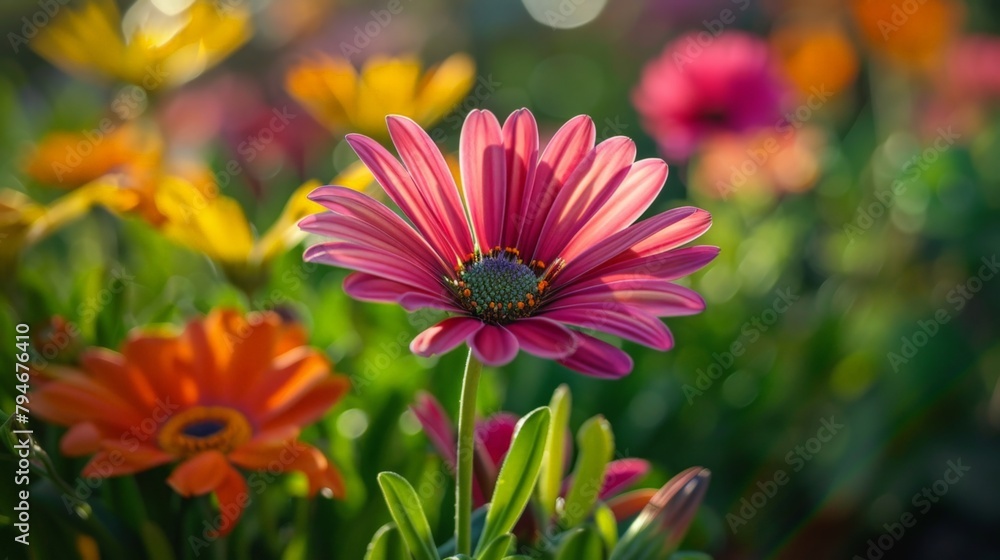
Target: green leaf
478, 520
387, 544
517, 476
551, 477
597, 447
406, 511
607, 525
497, 549
157, 545
582, 543
689, 555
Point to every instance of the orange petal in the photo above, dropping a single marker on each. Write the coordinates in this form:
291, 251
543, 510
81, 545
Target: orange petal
233, 499
292, 374
81, 439
160, 361
77, 398
291, 455
121, 461
253, 348
110, 369
310, 406
200, 474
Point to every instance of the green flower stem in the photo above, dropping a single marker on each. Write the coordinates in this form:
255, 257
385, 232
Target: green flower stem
466, 451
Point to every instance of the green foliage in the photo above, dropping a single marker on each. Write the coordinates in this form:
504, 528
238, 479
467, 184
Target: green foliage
518, 475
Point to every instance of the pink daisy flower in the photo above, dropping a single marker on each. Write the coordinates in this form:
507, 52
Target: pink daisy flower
543, 243
702, 86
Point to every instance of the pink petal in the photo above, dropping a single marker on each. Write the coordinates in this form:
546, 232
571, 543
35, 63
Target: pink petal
366, 287
590, 186
493, 345
431, 175
617, 319
670, 265
348, 202
598, 358
495, 434
564, 152
520, 142
482, 162
543, 337
400, 187
677, 234
621, 474
657, 297
445, 336
363, 233
644, 181
365, 258
437, 426
671, 229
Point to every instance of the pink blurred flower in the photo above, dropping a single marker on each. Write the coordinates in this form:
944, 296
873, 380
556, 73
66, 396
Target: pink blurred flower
543, 241
493, 439
965, 90
786, 160
703, 85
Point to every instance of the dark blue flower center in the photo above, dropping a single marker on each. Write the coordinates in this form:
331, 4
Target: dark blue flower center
204, 428
498, 287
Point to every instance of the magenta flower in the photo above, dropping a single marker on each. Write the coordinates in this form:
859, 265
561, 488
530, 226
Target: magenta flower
703, 85
542, 244
493, 439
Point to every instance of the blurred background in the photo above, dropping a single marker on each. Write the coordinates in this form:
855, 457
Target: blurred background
843, 379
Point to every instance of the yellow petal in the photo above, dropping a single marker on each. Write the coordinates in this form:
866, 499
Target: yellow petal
388, 86
156, 50
77, 203
326, 87
285, 233
444, 87
214, 225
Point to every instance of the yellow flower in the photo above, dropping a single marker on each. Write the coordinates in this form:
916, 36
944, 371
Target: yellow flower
147, 47
24, 222
216, 225
342, 98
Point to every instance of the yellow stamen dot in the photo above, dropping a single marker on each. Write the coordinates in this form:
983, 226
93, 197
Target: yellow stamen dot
204, 428
520, 305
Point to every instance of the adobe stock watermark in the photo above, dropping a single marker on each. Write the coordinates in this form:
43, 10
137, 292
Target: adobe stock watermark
88, 310
959, 296
390, 351
797, 458
913, 168
750, 332
366, 33
901, 13
485, 88
103, 466
922, 502
127, 104
249, 148
775, 142
32, 24
696, 43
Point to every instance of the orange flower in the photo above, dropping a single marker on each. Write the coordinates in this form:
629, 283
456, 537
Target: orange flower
816, 55
911, 32
229, 391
